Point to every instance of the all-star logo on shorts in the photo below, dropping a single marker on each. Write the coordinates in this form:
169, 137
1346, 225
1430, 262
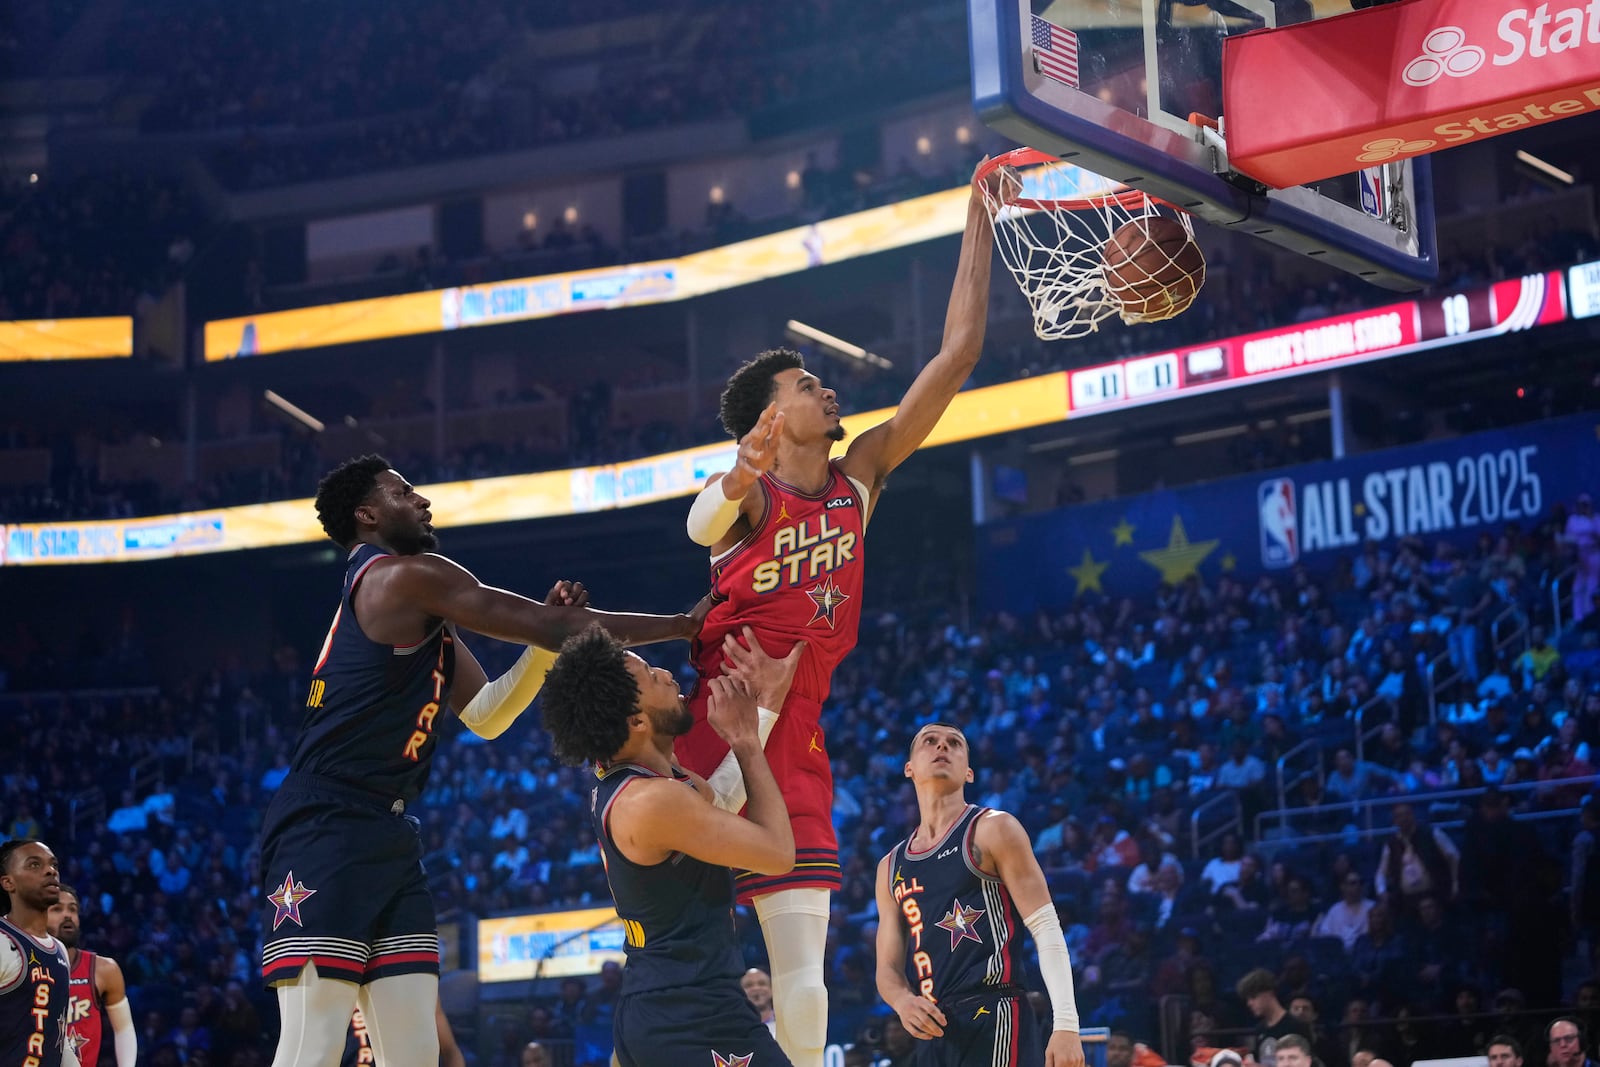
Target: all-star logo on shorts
290, 895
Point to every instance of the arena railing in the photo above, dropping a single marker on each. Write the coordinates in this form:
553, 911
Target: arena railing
1311, 745
1364, 811
1558, 602
1232, 820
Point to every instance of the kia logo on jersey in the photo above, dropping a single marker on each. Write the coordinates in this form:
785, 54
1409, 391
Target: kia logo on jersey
841, 502
1280, 531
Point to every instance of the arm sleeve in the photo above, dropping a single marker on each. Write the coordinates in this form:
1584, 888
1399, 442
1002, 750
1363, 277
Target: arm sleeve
124, 1033
727, 782
711, 515
1056, 966
497, 705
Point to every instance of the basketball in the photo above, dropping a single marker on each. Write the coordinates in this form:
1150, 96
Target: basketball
1153, 268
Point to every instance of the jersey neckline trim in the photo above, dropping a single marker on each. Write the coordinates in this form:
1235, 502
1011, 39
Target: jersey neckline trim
943, 838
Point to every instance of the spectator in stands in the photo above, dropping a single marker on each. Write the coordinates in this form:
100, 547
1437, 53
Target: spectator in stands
1379, 954
1296, 917
535, 1055
1294, 1051
1417, 860
1223, 869
1503, 1050
1351, 781
1153, 857
1537, 659
1324, 1049
1582, 535
1347, 918
1568, 1047
1246, 893
1258, 990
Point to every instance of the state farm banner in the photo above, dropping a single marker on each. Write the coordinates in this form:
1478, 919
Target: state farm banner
1329, 97
1311, 515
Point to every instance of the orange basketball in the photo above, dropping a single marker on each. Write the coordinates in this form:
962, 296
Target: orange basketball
1153, 268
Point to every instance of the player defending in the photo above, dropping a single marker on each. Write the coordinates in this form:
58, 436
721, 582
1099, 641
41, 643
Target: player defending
346, 895
956, 981
98, 991
785, 530
34, 976
668, 848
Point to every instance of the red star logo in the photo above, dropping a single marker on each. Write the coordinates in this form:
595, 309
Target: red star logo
827, 597
290, 895
719, 1060
962, 924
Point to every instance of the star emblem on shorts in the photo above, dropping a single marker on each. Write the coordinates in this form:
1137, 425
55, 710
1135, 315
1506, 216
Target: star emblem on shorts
290, 895
719, 1060
962, 922
827, 597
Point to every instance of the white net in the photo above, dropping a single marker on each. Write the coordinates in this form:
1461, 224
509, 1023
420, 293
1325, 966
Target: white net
1083, 248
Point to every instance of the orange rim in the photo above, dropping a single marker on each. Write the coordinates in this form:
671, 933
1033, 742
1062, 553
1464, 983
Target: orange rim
1025, 157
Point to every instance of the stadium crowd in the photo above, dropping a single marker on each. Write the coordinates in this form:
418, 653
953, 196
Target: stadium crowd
1104, 725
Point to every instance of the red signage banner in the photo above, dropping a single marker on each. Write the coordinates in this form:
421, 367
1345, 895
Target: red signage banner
1329, 97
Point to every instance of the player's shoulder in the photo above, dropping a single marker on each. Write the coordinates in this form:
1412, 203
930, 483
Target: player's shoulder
996, 822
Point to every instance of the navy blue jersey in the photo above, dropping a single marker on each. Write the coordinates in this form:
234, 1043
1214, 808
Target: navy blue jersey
963, 932
33, 1007
678, 914
373, 710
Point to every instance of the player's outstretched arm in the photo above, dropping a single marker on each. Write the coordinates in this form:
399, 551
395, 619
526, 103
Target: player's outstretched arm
489, 707
660, 817
1001, 844
731, 503
450, 1054
920, 1016
884, 447
114, 995
441, 588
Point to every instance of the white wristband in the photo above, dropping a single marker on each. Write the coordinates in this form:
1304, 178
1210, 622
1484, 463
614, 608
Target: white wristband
497, 705
712, 514
1055, 965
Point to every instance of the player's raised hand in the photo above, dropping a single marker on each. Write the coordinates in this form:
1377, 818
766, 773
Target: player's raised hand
565, 594
1064, 1050
732, 711
758, 450
768, 678
921, 1017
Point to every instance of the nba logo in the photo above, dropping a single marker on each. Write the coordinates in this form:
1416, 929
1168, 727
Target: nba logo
1374, 200
1280, 531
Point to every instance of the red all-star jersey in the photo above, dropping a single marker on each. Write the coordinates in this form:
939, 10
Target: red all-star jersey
85, 1016
796, 577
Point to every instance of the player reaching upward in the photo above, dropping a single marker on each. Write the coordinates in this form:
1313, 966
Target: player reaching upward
956, 981
785, 530
348, 915
98, 991
668, 848
34, 976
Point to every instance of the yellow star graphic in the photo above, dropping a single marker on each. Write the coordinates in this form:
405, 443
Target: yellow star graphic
1181, 557
1229, 562
1123, 532
1087, 574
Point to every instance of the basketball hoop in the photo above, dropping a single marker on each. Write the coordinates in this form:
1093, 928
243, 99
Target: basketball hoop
1083, 248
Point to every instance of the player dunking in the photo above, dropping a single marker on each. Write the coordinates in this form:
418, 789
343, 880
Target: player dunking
34, 976
785, 529
668, 848
348, 916
98, 991
956, 981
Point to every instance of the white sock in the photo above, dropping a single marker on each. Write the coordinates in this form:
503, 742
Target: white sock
400, 1019
794, 923
316, 1017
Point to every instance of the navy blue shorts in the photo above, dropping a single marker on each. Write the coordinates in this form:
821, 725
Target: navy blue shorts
344, 886
987, 1030
693, 1028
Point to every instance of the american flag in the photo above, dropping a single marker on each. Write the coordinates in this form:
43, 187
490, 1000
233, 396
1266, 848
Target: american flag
1056, 52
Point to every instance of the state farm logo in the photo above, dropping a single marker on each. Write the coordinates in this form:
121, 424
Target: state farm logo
1386, 148
1445, 51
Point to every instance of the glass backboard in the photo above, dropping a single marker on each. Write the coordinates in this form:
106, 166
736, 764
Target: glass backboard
1128, 89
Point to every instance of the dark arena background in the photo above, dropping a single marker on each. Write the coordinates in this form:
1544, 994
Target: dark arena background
1236, 608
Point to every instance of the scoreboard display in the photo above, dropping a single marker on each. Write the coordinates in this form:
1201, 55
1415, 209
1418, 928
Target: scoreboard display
1341, 340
